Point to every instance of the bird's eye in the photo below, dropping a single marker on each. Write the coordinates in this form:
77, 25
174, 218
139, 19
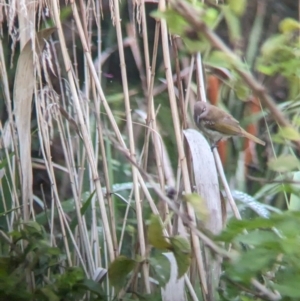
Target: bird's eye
203, 110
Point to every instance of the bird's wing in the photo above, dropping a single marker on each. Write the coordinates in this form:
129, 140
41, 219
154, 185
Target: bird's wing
227, 126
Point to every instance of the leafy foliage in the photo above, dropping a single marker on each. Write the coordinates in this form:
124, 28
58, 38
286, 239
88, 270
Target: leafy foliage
264, 248
30, 257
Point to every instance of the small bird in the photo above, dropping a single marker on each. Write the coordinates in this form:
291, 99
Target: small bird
216, 124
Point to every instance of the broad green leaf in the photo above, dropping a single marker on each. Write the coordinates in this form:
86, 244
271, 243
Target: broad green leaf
198, 204
155, 234
241, 90
252, 262
236, 227
272, 44
119, 269
284, 163
289, 133
92, 286
259, 237
210, 17
237, 6
182, 252
288, 286
160, 268
219, 59
288, 25
176, 23
33, 227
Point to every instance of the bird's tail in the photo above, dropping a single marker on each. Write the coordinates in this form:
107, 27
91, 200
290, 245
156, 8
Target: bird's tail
253, 138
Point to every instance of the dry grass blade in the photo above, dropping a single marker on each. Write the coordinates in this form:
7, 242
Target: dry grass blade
207, 185
206, 178
174, 289
23, 90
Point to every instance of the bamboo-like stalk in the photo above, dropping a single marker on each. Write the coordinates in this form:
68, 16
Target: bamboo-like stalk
139, 213
83, 129
182, 158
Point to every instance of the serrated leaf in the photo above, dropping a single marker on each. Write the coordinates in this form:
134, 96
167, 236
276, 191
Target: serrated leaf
155, 234
284, 163
198, 204
182, 252
119, 269
288, 25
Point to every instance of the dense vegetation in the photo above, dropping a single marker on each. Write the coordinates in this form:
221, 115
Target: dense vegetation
108, 191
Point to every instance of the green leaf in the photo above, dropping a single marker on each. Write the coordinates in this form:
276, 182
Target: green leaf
252, 262
237, 6
82, 210
233, 24
288, 284
155, 234
176, 23
273, 44
210, 17
259, 237
284, 163
33, 227
92, 286
288, 25
119, 269
182, 252
241, 90
289, 133
219, 59
198, 204
49, 293
294, 203
160, 268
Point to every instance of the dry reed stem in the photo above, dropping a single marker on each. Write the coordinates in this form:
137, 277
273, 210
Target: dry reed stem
139, 212
182, 158
83, 129
102, 96
76, 195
